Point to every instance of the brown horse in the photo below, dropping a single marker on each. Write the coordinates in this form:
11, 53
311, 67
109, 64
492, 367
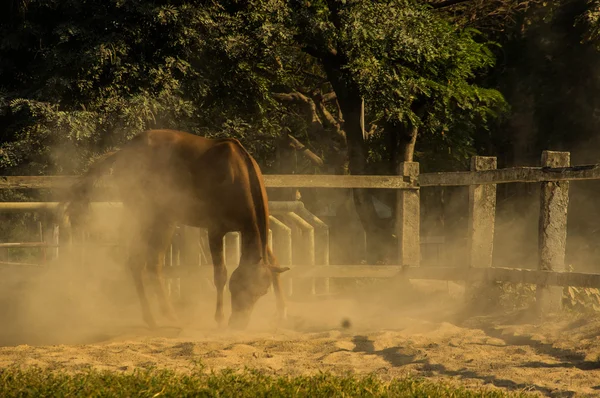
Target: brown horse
168, 177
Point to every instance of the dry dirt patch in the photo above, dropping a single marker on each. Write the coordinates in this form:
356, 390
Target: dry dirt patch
425, 337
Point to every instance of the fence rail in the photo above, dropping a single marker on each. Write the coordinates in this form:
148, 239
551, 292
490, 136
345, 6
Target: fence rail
510, 175
468, 274
459, 178
271, 181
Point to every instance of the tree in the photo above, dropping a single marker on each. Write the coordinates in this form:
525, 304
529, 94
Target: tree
412, 67
82, 76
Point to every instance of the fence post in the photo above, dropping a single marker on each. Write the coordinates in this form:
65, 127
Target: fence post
321, 246
232, 249
172, 254
282, 249
303, 252
408, 217
482, 217
55, 240
554, 202
189, 286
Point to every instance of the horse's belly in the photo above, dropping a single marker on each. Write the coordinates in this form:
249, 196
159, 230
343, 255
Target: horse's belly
193, 215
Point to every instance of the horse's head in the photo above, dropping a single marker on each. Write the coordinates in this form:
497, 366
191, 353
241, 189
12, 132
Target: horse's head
247, 284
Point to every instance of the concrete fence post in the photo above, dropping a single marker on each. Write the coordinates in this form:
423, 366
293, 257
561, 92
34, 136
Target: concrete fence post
408, 217
282, 249
303, 252
482, 218
321, 246
552, 243
55, 240
189, 260
204, 255
232, 249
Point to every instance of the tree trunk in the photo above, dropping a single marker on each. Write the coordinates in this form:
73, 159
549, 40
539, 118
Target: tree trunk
407, 144
286, 164
350, 102
402, 140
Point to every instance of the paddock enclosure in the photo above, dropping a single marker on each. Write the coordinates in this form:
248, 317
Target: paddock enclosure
300, 239
67, 306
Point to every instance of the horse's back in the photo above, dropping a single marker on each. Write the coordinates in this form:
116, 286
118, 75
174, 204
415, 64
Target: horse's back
174, 170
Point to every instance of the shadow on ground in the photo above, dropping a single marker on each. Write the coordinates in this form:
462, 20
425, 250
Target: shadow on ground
402, 356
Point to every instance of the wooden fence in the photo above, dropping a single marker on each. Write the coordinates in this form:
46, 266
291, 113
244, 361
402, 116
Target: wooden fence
553, 175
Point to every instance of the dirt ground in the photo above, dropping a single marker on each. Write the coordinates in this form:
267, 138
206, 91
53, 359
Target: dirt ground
419, 331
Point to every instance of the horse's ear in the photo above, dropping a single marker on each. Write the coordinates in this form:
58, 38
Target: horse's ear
278, 270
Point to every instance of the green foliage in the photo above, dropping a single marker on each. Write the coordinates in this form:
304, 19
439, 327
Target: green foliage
546, 71
402, 53
411, 66
514, 296
581, 299
77, 77
228, 383
82, 76
79, 71
591, 20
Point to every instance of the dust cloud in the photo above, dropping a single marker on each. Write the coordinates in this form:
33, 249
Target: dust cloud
87, 296
76, 296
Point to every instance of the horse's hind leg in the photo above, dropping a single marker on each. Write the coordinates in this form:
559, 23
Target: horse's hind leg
160, 235
136, 262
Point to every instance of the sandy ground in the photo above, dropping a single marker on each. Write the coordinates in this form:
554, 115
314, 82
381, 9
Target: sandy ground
392, 335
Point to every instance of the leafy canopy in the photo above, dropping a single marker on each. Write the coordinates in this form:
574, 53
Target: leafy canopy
81, 76
412, 66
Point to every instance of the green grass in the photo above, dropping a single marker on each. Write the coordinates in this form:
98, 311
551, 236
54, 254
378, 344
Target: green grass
16, 382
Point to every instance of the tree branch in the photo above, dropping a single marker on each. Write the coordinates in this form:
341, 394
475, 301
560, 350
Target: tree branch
319, 54
312, 116
372, 130
329, 96
334, 9
319, 79
447, 3
300, 147
319, 100
339, 111
290, 97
